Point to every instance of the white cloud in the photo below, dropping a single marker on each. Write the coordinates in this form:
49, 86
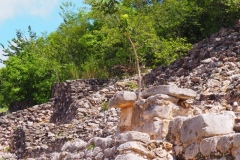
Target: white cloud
11, 8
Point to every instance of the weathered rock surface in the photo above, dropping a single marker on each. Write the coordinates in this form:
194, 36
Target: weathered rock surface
171, 90
123, 99
207, 125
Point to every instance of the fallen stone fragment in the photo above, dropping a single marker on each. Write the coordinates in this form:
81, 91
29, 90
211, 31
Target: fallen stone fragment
172, 90
123, 99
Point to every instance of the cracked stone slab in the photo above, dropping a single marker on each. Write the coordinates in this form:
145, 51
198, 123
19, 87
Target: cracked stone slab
172, 90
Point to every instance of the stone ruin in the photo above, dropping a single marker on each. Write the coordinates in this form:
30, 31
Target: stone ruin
179, 131
189, 110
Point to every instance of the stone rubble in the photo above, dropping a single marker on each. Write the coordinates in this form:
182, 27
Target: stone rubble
188, 111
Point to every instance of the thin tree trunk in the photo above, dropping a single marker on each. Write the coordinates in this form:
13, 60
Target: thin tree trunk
138, 66
137, 61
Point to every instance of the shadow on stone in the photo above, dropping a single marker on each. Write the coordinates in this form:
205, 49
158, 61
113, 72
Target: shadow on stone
17, 143
63, 112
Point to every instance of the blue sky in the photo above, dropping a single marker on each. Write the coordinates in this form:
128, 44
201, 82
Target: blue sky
41, 15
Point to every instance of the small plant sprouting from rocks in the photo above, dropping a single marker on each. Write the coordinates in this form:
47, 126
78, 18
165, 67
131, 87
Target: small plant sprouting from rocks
15, 128
132, 85
7, 149
91, 146
105, 106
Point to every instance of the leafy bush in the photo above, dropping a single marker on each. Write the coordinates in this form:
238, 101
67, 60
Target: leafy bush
105, 106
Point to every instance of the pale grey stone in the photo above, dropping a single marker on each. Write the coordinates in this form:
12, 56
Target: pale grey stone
175, 129
66, 146
152, 111
71, 156
101, 142
77, 145
207, 125
209, 145
136, 147
191, 151
154, 129
171, 90
99, 156
109, 152
156, 97
237, 157
225, 143
96, 150
129, 156
236, 140
123, 99
206, 61
133, 136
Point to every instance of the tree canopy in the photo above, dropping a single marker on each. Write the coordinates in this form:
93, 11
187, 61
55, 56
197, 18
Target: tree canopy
99, 43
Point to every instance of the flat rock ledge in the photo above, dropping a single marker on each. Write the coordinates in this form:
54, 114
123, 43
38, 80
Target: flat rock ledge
172, 90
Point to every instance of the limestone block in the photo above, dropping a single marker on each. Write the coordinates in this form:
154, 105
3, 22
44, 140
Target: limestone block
162, 154
209, 145
75, 145
164, 112
136, 147
207, 125
181, 111
126, 119
178, 150
175, 129
123, 99
157, 97
109, 152
225, 144
236, 140
133, 136
157, 129
129, 156
237, 156
99, 156
153, 129
191, 151
101, 142
235, 152
172, 90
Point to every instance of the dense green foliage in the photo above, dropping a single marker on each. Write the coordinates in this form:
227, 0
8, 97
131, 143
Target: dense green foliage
95, 43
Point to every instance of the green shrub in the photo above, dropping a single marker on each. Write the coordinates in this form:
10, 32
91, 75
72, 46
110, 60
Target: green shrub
105, 106
132, 85
7, 149
91, 146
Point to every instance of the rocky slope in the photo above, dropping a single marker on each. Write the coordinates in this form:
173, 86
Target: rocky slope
212, 68
195, 115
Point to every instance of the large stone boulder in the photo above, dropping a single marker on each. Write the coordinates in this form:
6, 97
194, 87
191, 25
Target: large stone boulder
172, 90
207, 125
123, 99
